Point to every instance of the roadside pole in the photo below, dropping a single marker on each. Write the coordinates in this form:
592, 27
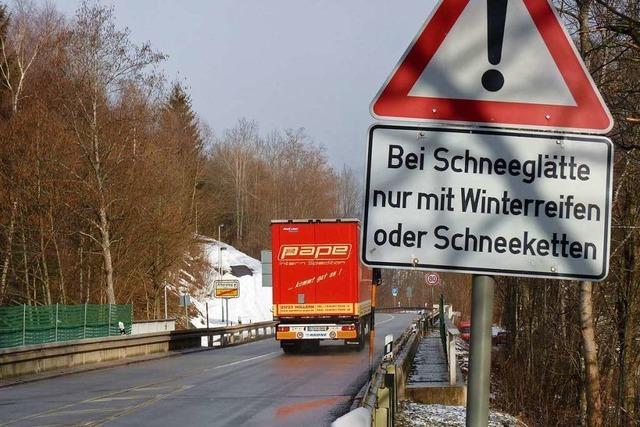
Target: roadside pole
376, 280
480, 351
208, 336
372, 329
165, 300
186, 314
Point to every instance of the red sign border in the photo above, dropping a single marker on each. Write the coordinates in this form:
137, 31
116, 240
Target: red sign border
590, 115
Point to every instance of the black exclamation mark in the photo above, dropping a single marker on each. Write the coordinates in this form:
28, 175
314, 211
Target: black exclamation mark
492, 80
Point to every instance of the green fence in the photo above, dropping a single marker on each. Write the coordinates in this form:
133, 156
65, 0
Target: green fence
26, 324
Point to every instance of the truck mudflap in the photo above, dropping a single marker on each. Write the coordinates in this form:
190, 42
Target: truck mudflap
320, 331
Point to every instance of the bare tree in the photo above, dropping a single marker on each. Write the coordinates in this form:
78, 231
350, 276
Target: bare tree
102, 60
349, 203
30, 32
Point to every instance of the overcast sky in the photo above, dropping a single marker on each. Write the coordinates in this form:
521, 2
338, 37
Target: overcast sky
283, 63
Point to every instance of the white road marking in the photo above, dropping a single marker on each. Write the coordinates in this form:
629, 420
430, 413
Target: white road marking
141, 405
78, 411
150, 388
110, 399
385, 321
245, 360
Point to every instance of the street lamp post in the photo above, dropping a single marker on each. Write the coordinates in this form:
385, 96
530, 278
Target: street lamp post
165, 300
226, 300
220, 265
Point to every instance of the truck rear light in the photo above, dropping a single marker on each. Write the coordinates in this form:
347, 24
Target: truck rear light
283, 329
349, 328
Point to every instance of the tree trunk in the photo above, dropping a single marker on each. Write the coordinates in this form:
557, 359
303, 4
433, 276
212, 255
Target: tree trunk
106, 255
81, 270
63, 293
7, 257
590, 355
26, 270
45, 269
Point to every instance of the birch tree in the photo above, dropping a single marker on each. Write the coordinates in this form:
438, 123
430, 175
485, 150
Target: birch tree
102, 60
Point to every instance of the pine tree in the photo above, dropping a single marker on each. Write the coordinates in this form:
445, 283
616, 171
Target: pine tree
185, 122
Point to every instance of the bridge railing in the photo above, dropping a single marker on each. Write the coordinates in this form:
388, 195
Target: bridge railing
33, 359
448, 335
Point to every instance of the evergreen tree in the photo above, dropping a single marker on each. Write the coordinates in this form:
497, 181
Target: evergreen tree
183, 118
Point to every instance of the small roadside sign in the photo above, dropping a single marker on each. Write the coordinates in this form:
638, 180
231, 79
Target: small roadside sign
388, 346
432, 279
226, 288
496, 63
488, 201
394, 292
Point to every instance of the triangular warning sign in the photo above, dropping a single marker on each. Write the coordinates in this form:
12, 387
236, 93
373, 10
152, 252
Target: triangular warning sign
494, 62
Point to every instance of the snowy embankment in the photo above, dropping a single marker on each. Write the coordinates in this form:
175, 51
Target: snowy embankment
415, 414
254, 303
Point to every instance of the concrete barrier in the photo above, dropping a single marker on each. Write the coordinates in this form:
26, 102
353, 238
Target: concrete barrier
39, 358
149, 326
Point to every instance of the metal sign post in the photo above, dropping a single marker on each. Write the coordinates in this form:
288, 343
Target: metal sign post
432, 280
480, 351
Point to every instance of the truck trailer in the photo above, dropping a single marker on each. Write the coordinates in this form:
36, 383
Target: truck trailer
321, 290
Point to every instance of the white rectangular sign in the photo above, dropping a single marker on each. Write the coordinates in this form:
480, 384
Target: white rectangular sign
486, 201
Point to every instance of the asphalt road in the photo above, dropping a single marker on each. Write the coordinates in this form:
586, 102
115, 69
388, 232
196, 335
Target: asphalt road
253, 384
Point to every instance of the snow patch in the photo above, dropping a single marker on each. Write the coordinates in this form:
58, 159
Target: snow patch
254, 303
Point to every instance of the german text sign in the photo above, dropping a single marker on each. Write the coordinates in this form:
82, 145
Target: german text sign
485, 201
226, 288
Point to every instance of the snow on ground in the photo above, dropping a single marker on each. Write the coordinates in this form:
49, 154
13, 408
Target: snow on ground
496, 329
416, 414
412, 414
254, 303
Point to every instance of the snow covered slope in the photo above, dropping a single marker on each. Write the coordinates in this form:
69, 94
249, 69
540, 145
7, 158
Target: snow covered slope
254, 303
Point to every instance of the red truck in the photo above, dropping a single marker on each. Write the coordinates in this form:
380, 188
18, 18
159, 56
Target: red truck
321, 291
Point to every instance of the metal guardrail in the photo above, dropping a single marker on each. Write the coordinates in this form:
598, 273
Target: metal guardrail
38, 358
233, 335
387, 309
378, 404
449, 333
382, 392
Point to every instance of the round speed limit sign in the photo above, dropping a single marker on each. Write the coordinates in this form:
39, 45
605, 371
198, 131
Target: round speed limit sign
432, 279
